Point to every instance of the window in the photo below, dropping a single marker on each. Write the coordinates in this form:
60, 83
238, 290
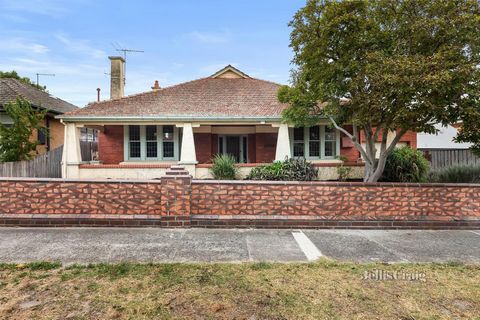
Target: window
42, 136
220, 145
330, 142
134, 138
298, 142
314, 142
317, 142
151, 139
88, 134
168, 143
151, 143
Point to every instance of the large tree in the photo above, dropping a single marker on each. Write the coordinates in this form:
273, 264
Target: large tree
381, 67
15, 140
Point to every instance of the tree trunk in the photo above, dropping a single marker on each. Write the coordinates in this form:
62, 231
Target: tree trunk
373, 167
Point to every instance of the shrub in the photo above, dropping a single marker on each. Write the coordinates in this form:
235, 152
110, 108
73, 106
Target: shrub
456, 174
224, 167
289, 170
343, 172
406, 165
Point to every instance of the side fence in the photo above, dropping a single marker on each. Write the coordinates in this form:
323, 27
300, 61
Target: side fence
177, 201
441, 158
47, 165
88, 150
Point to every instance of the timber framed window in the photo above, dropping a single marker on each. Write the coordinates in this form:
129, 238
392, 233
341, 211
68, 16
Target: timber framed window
316, 142
298, 142
151, 143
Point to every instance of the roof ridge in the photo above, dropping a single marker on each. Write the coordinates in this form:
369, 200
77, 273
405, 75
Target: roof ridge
147, 92
269, 81
35, 96
9, 86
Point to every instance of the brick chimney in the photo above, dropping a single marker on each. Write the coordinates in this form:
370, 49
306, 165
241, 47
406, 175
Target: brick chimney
156, 86
117, 77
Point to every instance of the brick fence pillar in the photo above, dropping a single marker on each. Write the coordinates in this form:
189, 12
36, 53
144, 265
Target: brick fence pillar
176, 196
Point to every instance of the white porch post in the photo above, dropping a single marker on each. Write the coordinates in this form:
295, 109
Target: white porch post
283, 143
71, 156
188, 154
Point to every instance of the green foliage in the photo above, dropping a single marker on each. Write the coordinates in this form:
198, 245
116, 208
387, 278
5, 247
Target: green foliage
406, 165
224, 167
342, 171
14, 75
400, 65
470, 130
289, 170
456, 174
15, 144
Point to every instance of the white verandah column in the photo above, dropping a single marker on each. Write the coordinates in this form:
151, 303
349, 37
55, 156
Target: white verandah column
71, 156
283, 143
188, 156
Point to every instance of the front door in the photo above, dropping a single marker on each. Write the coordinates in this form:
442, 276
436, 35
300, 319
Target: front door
233, 146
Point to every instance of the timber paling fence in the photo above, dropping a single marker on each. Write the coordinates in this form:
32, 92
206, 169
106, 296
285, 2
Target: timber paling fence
88, 150
47, 165
442, 158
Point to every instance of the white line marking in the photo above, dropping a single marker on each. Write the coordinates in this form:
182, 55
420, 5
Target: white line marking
306, 245
477, 233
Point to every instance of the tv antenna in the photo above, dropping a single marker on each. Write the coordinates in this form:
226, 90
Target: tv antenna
125, 51
44, 74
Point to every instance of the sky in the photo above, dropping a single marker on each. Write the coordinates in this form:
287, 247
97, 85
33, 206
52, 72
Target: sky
182, 40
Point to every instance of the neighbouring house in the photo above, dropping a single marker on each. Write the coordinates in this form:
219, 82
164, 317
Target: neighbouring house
142, 135
11, 89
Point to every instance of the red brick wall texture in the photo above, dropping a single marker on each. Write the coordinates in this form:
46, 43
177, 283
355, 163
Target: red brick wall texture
110, 145
54, 196
336, 200
176, 196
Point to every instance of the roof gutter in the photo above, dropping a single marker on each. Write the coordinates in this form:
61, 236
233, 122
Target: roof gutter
68, 118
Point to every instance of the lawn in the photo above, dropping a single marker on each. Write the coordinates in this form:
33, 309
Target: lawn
321, 290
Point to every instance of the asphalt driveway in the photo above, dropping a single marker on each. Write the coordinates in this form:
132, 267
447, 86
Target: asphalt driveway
95, 245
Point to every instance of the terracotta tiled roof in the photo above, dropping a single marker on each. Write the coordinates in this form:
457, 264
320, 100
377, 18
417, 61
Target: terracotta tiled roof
214, 96
11, 89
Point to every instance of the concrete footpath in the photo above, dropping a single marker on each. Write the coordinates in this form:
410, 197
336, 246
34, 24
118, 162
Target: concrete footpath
96, 245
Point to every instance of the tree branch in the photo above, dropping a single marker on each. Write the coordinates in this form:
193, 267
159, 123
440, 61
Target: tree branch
354, 138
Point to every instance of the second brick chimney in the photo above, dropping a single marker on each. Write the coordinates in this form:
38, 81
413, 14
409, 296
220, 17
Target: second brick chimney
117, 77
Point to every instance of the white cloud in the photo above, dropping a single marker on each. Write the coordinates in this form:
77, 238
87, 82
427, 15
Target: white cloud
210, 37
19, 44
80, 46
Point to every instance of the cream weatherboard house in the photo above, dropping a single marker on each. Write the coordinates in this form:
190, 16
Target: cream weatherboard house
142, 135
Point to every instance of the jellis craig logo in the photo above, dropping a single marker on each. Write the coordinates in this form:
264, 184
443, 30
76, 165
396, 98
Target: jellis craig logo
384, 275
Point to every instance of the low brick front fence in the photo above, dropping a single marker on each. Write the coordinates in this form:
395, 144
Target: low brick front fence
58, 202
177, 201
335, 204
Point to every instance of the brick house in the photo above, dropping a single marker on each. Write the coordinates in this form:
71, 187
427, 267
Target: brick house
228, 112
11, 89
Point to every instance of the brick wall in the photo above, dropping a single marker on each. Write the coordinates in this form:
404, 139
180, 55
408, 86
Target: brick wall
110, 145
266, 144
409, 138
55, 196
347, 149
336, 201
176, 200
203, 147
58, 202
